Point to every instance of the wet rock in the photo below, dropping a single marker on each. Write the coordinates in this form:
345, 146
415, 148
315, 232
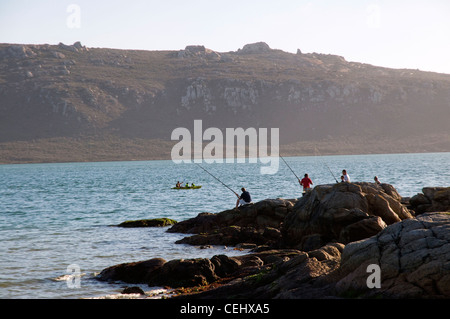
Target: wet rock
135, 272
156, 222
184, 273
132, 290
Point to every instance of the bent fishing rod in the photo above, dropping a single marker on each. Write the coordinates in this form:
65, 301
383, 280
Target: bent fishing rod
323, 162
290, 168
216, 179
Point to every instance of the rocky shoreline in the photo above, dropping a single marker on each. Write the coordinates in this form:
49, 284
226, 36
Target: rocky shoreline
346, 240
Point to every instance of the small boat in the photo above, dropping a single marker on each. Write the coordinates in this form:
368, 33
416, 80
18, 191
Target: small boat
190, 187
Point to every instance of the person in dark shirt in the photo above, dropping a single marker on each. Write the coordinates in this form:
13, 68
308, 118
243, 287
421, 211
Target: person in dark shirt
244, 199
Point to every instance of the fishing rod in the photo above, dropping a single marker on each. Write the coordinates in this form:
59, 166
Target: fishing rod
289, 167
317, 151
217, 179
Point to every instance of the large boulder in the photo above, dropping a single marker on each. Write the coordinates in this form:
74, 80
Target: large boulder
266, 213
251, 48
194, 272
284, 275
413, 257
135, 272
257, 223
155, 222
432, 199
342, 212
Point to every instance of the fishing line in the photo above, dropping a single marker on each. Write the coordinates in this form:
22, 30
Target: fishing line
216, 179
289, 167
317, 152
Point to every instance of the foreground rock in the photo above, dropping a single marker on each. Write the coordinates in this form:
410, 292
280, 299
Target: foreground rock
305, 275
413, 255
193, 272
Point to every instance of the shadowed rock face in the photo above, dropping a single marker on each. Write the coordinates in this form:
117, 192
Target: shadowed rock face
257, 223
343, 212
413, 255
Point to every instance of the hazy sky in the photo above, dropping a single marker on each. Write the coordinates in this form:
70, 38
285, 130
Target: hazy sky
392, 33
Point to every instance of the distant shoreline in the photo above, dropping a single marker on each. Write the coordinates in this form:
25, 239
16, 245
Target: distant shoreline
113, 148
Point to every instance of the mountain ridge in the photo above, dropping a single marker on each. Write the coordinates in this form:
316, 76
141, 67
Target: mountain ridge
57, 102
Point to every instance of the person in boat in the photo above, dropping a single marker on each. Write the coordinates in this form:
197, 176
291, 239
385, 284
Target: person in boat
346, 176
187, 185
306, 182
178, 185
192, 185
244, 199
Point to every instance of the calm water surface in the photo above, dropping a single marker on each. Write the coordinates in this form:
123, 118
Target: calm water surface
56, 215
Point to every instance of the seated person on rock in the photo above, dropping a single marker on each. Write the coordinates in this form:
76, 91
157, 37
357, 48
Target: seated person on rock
244, 199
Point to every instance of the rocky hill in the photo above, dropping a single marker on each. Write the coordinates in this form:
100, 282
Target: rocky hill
72, 103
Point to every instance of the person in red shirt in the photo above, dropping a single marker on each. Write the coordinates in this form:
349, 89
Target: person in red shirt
306, 182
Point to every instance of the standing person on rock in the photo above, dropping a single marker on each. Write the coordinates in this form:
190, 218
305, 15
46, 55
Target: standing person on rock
306, 182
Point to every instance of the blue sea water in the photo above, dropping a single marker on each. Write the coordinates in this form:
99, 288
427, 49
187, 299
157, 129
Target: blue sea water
53, 216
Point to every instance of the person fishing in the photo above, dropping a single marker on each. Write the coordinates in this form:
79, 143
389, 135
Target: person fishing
244, 199
245, 196
306, 182
346, 176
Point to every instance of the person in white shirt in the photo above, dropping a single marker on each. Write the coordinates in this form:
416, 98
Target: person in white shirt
346, 176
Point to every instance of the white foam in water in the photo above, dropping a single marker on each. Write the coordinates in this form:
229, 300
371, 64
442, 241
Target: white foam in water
153, 293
